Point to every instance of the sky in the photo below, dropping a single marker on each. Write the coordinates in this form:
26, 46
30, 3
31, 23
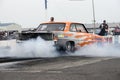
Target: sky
30, 13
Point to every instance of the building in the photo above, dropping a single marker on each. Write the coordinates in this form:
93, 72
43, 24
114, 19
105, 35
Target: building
10, 27
9, 30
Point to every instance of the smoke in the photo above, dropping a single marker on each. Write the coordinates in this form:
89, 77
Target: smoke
108, 50
31, 48
36, 48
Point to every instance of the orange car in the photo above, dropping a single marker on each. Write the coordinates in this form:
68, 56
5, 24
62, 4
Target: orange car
66, 35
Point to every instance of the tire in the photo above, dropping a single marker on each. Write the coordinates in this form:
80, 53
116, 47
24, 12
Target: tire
70, 47
60, 48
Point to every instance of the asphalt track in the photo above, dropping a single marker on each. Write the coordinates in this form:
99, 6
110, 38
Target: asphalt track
60, 68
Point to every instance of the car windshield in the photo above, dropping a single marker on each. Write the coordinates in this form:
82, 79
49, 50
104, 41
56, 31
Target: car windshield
51, 27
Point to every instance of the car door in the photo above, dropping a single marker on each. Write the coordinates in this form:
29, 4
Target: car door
81, 34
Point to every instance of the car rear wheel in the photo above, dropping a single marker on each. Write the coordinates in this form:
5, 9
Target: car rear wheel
70, 47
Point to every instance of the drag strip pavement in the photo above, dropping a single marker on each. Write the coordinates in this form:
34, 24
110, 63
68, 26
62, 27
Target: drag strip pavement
48, 64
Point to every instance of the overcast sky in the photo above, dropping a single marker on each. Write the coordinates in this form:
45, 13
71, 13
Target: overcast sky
30, 13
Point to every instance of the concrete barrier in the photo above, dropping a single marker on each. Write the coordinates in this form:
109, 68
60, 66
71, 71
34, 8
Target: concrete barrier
8, 43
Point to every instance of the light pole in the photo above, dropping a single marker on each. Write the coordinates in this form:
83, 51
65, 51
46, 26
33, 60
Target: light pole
46, 6
93, 7
93, 12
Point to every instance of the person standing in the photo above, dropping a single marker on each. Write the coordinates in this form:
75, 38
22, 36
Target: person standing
51, 19
117, 30
104, 28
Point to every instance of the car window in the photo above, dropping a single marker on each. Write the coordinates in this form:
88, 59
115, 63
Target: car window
77, 28
73, 28
80, 28
51, 27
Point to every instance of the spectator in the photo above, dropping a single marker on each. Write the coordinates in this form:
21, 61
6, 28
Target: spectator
51, 19
104, 28
117, 30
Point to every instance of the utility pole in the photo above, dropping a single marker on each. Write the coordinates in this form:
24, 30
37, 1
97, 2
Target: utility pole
94, 21
46, 10
45, 4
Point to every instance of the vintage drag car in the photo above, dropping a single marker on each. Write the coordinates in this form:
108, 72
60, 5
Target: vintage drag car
67, 36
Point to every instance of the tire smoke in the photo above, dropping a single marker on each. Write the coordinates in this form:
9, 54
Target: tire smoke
30, 49
36, 48
109, 50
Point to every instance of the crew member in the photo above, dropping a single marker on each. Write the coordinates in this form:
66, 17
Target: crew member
104, 28
51, 19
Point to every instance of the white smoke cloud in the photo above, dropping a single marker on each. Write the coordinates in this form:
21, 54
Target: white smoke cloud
31, 48
40, 48
109, 50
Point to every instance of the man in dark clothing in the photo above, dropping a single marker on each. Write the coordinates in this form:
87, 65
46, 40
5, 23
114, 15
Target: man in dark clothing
51, 19
104, 28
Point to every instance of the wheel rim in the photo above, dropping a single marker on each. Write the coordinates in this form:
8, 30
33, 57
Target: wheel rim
69, 46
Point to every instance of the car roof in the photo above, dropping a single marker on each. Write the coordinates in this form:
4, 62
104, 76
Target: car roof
66, 22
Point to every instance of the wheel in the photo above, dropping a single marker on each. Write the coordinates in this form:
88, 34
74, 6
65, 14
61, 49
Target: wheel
59, 48
70, 47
